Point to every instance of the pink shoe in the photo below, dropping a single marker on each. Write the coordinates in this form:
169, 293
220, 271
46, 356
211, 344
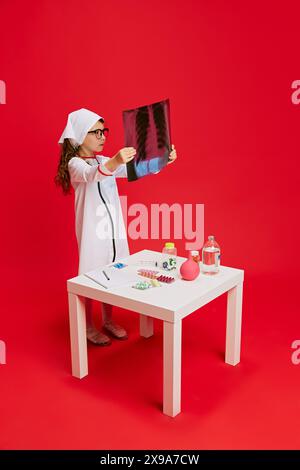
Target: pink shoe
116, 331
96, 337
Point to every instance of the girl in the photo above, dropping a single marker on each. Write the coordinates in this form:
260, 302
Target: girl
100, 230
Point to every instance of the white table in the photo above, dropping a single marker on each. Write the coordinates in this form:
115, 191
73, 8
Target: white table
171, 304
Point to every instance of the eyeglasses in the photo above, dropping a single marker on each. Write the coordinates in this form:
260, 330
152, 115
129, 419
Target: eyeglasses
100, 132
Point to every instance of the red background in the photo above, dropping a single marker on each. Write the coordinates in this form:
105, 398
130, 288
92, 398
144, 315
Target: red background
227, 68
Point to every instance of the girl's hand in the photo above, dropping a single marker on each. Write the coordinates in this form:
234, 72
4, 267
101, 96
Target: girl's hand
173, 155
125, 155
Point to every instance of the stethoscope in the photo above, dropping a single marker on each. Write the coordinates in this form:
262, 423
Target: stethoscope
109, 215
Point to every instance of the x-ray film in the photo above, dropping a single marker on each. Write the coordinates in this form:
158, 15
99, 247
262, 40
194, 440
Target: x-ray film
147, 129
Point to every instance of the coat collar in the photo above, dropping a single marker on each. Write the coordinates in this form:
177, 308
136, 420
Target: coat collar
91, 160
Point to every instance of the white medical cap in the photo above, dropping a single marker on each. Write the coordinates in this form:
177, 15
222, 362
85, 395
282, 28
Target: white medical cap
78, 124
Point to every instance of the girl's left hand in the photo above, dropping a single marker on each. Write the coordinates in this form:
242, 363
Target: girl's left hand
173, 155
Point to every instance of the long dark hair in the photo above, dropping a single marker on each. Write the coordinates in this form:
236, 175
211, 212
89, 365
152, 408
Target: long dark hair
62, 177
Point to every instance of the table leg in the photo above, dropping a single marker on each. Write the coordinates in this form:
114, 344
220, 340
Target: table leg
78, 335
146, 326
234, 324
172, 368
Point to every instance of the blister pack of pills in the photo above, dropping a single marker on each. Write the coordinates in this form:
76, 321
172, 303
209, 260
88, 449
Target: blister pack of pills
166, 279
148, 273
119, 265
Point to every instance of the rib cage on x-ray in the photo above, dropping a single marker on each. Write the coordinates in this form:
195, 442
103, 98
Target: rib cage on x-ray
147, 129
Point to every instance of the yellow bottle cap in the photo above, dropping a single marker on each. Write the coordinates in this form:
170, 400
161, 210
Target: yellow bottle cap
169, 245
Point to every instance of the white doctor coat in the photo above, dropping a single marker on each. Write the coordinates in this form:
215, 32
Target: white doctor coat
99, 224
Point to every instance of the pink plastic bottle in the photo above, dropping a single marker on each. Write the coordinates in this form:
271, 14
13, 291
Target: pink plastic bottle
189, 270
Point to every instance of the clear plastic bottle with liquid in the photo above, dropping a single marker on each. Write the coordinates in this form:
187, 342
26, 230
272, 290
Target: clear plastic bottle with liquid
211, 255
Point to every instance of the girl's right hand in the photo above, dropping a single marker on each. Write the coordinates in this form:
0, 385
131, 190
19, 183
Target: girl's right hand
125, 155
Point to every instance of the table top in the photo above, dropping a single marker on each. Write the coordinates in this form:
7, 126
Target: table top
171, 301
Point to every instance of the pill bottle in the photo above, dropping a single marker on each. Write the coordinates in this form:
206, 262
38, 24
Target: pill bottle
169, 254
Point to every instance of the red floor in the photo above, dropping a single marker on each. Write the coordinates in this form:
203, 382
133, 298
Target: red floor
254, 405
